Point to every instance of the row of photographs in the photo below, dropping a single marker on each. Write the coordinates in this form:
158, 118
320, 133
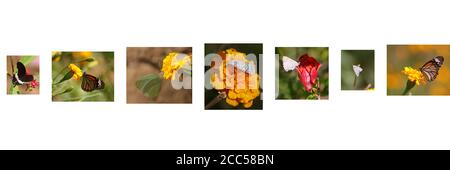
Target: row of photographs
232, 74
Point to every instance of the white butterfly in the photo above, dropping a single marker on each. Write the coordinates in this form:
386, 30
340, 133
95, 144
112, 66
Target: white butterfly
289, 64
247, 67
357, 69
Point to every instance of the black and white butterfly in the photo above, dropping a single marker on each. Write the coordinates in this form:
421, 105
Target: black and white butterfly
431, 68
21, 77
90, 83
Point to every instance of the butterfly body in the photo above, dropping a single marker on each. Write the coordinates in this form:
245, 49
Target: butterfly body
21, 77
90, 83
431, 68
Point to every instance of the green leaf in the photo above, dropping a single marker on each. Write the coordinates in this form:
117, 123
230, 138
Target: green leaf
149, 84
66, 77
87, 60
311, 96
68, 90
25, 60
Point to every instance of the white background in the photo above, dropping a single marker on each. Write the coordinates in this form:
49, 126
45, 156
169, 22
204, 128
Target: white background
348, 120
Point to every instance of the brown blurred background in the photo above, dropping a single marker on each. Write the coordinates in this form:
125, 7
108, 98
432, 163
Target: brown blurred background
142, 61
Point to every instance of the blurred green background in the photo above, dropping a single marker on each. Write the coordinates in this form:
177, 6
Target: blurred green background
98, 64
255, 49
415, 56
289, 86
366, 59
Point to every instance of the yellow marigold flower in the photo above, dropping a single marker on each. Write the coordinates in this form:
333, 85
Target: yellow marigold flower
232, 95
414, 75
172, 63
82, 54
248, 104
83, 58
226, 80
232, 102
77, 73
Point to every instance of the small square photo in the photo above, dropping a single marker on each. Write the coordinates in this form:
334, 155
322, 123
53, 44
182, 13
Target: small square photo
301, 73
23, 74
357, 70
418, 70
233, 76
159, 75
80, 76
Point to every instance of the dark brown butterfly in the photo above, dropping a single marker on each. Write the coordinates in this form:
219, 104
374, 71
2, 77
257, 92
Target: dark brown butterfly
21, 77
90, 83
431, 68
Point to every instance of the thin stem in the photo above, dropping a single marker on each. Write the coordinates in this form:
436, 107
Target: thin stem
318, 88
405, 91
216, 100
409, 86
354, 82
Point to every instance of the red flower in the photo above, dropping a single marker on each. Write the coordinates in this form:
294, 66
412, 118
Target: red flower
34, 84
307, 71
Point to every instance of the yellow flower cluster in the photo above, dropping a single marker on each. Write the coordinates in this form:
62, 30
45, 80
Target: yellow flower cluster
232, 85
414, 75
82, 55
77, 73
172, 63
82, 58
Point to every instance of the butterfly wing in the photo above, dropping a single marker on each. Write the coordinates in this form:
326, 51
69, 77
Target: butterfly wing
247, 67
431, 68
289, 64
91, 83
21, 70
22, 75
26, 78
88, 82
357, 69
